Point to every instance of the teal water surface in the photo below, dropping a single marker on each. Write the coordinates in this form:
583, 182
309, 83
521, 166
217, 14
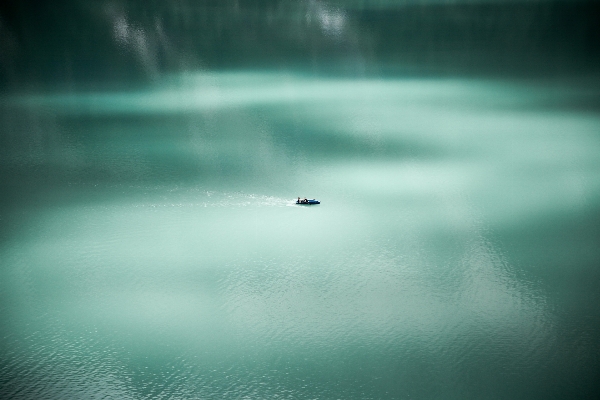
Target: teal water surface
454, 253
150, 246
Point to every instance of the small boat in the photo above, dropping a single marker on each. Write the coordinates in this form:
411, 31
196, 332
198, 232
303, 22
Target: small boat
308, 202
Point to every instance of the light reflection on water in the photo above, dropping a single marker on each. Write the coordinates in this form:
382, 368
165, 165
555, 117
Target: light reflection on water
223, 90
133, 282
184, 281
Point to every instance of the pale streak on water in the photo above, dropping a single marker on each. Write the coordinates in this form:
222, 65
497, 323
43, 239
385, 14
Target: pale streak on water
399, 285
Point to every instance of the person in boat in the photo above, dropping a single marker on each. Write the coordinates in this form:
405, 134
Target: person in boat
305, 201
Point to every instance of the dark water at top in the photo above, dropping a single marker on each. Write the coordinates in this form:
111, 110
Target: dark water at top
151, 152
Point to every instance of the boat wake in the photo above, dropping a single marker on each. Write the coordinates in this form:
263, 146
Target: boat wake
216, 199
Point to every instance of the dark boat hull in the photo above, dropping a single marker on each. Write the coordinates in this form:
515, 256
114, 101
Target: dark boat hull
310, 202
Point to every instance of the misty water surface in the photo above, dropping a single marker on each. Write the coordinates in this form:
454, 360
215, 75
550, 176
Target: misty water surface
150, 246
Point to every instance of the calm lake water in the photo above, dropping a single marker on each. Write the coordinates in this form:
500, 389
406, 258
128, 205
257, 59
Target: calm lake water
150, 246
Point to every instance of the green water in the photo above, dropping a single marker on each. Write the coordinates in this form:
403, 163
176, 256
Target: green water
150, 246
